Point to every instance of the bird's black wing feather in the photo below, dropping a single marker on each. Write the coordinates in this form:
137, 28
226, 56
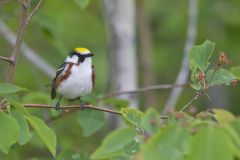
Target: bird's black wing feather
60, 69
58, 73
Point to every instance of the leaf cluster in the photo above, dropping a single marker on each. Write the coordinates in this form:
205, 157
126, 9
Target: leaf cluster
207, 135
202, 75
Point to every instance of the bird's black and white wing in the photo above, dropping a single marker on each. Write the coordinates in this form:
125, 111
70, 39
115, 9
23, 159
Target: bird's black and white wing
93, 76
59, 72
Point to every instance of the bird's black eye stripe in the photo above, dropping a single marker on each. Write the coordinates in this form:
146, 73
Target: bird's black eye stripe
81, 57
72, 53
86, 55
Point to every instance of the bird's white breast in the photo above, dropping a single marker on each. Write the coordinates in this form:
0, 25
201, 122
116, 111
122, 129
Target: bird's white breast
79, 83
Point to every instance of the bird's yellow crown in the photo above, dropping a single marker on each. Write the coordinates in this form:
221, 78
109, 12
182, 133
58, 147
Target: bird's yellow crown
82, 50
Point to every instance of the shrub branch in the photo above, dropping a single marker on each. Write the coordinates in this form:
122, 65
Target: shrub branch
87, 106
25, 18
7, 59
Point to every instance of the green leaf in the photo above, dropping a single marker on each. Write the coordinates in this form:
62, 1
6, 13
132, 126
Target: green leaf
223, 116
91, 121
44, 132
82, 3
151, 121
24, 132
195, 80
9, 131
116, 102
199, 56
131, 149
199, 61
236, 126
169, 143
236, 71
18, 106
132, 116
12, 96
211, 143
113, 145
233, 129
196, 85
6, 88
221, 76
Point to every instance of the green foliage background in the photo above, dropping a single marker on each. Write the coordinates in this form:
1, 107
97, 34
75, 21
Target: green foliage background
60, 26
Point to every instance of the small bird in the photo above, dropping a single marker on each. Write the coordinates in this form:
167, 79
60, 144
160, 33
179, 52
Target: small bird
75, 77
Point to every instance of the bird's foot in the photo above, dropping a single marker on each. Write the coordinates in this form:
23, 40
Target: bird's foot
82, 106
57, 107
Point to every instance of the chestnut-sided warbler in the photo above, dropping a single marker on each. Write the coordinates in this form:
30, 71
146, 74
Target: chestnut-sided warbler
75, 77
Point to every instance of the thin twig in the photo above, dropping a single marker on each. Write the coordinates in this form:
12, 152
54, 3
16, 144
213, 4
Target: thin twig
73, 107
6, 59
144, 89
35, 10
191, 101
183, 73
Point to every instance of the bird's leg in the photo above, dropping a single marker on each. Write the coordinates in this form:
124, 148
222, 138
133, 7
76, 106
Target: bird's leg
82, 105
57, 106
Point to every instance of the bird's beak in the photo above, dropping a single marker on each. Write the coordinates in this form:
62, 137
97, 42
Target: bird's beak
92, 54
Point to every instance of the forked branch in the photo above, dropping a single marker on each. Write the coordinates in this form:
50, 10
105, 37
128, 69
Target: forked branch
35, 10
25, 18
6, 59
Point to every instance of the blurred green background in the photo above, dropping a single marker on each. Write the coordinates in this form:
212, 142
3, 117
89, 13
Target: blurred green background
61, 25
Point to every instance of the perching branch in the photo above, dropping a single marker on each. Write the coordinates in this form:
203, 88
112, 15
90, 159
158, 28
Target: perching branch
89, 106
183, 73
144, 89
